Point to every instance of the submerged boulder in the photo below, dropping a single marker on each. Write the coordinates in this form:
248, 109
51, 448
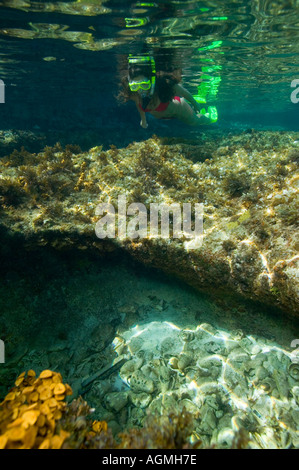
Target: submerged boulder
247, 185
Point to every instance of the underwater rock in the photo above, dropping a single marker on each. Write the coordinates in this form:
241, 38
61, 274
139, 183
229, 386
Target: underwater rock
208, 420
238, 358
294, 371
261, 373
295, 393
140, 383
225, 438
173, 362
224, 392
214, 347
249, 244
140, 400
208, 328
164, 402
267, 385
184, 360
116, 400
187, 335
129, 368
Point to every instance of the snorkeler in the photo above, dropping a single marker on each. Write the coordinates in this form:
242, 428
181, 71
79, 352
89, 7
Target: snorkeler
161, 95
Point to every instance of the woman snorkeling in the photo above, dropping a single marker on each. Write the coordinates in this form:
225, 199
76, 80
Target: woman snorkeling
160, 94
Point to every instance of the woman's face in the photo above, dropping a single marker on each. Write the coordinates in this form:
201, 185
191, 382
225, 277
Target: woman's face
142, 79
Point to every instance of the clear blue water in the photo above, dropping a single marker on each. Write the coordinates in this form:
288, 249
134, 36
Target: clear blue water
60, 62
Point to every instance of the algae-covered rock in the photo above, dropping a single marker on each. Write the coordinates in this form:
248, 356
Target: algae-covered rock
249, 196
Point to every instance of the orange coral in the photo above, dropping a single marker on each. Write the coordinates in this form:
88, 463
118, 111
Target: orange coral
98, 426
29, 412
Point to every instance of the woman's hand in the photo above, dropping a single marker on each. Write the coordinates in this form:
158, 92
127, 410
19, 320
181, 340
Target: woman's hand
144, 124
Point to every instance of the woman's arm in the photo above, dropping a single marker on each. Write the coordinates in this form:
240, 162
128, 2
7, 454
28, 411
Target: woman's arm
181, 91
143, 122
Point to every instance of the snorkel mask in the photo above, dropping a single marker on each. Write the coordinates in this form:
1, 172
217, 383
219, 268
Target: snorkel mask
144, 85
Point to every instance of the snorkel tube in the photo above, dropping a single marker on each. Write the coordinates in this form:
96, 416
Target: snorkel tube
145, 60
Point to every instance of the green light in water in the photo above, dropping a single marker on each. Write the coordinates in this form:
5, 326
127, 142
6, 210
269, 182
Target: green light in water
135, 22
211, 46
140, 4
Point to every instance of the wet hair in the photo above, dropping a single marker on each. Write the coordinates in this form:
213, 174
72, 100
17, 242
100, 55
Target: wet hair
164, 88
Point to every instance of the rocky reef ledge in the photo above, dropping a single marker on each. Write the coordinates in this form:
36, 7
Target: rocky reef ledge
247, 183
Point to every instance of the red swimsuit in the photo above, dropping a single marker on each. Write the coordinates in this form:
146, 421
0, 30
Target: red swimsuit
161, 107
